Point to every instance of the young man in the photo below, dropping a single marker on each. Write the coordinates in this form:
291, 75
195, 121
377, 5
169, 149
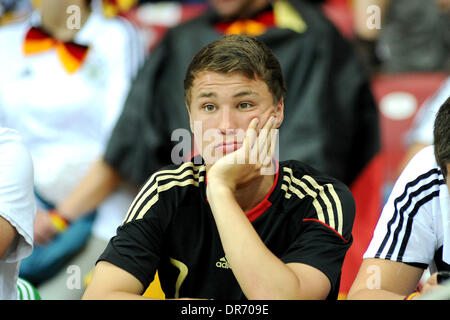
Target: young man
413, 232
222, 229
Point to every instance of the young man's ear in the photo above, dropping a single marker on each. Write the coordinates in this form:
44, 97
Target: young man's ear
279, 112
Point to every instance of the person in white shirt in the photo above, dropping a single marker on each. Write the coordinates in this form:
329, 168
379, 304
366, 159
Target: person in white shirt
65, 75
17, 210
413, 232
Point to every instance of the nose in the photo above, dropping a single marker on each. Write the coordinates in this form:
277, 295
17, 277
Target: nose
228, 121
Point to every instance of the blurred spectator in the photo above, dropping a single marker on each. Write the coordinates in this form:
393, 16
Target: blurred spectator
368, 19
17, 210
65, 75
414, 35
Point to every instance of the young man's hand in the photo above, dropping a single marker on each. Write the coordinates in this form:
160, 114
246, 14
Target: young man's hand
249, 161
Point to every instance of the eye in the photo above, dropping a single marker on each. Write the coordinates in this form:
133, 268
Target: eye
209, 107
245, 105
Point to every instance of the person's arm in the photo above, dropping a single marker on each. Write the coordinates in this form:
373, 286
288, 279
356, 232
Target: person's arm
96, 186
125, 285
385, 280
100, 181
7, 235
260, 274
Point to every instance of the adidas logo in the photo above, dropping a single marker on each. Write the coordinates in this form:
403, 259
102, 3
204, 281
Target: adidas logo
223, 263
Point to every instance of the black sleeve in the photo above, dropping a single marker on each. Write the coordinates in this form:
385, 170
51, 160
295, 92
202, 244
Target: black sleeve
320, 245
136, 248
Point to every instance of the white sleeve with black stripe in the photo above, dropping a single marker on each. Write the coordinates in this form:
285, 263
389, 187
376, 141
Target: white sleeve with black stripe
410, 226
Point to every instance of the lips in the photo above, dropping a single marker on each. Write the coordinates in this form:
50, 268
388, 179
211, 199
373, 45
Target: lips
228, 147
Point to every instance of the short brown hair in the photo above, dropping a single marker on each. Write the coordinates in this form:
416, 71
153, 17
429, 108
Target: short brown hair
242, 54
442, 137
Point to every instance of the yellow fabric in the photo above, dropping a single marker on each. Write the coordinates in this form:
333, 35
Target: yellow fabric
154, 290
111, 9
250, 27
287, 17
88, 278
70, 63
342, 296
59, 223
31, 47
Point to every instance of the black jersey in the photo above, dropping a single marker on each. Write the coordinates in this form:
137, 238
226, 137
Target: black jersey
306, 218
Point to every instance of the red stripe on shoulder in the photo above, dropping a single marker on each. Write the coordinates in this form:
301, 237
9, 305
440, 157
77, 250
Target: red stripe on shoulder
316, 220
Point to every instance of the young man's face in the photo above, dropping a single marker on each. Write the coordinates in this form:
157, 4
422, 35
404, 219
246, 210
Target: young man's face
222, 106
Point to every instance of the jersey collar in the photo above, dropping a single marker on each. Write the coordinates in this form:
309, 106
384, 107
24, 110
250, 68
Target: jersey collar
265, 204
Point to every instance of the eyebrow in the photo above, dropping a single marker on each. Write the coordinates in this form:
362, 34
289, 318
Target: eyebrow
208, 94
245, 93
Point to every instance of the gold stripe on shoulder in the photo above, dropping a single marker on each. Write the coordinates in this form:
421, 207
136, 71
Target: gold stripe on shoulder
141, 194
291, 188
166, 187
336, 225
308, 191
320, 192
325, 199
159, 176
